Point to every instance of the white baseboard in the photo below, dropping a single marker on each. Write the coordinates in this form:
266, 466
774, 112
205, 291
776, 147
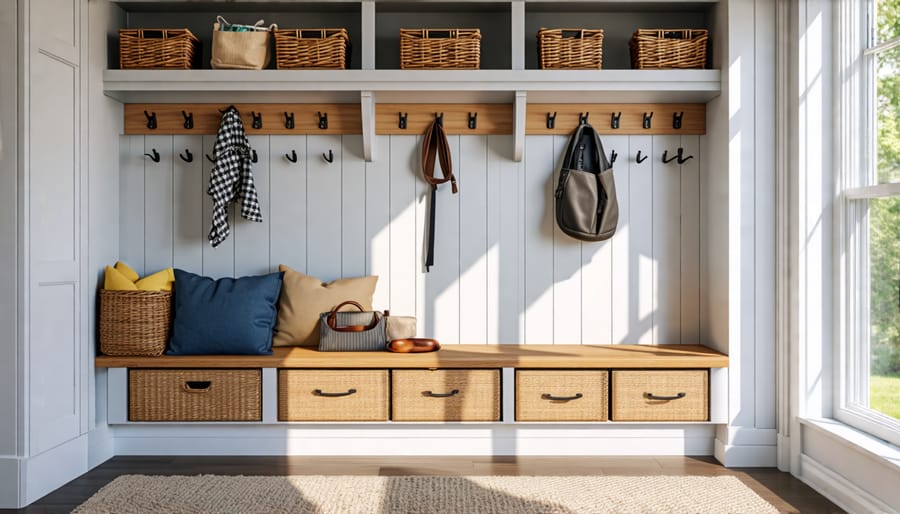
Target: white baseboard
784, 453
745, 456
431, 440
10, 482
842, 492
43, 473
101, 446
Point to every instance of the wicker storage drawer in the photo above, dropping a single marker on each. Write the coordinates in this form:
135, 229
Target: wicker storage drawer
195, 395
332, 395
664, 395
446, 395
562, 395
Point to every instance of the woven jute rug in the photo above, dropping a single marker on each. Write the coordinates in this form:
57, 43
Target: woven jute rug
424, 494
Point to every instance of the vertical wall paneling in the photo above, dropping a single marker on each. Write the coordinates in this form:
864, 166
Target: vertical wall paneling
642, 265
667, 241
473, 243
540, 224
505, 300
131, 202
251, 238
690, 241
323, 207
442, 285
219, 261
566, 265
158, 194
405, 257
606, 296
287, 197
353, 207
378, 223
187, 183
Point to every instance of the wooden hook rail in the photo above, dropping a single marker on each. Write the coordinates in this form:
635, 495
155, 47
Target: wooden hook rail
259, 119
625, 119
473, 119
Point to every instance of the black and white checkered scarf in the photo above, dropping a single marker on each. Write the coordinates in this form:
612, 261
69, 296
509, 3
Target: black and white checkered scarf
231, 177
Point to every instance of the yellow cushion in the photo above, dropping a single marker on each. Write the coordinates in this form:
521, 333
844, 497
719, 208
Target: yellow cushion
303, 298
127, 271
159, 281
114, 280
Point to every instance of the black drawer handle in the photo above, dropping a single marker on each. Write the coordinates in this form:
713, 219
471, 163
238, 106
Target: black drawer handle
319, 392
548, 396
441, 395
651, 396
197, 386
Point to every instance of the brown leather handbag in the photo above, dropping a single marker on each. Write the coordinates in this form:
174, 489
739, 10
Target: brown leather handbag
435, 147
351, 331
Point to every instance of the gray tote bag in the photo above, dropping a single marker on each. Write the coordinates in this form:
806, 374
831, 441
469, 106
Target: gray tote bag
351, 331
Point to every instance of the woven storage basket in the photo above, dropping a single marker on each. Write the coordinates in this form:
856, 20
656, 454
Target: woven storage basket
663, 48
195, 395
570, 48
660, 395
312, 48
562, 395
134, 322
158, 48
440, 48
333, 395
445, 395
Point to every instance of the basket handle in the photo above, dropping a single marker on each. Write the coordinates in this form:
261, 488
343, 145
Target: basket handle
441, 33
572, 33
332, 319
153, 33
197, 386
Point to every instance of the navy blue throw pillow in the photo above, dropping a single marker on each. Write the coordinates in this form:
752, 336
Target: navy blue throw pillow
229, 316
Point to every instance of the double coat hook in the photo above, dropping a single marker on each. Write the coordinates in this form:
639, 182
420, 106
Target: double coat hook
154, 156
291, 156
679, 155
329, 157
640, 159
187, 156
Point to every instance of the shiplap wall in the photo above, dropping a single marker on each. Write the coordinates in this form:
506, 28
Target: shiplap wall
504, 272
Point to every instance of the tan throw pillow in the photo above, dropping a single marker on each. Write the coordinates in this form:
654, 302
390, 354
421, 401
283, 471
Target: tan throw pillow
304, 297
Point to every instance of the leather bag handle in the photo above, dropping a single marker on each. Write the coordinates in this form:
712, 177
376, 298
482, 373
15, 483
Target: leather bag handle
332, 319
436, 147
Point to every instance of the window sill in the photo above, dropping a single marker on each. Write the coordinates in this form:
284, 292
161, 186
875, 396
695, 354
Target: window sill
870, 446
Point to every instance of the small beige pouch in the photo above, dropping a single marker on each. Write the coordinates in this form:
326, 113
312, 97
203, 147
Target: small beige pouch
399, 327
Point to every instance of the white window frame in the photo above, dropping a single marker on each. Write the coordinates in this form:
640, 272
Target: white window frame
855, 151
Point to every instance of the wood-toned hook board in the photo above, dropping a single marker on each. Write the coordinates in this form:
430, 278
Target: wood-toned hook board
488, 118
661, 118
342, 118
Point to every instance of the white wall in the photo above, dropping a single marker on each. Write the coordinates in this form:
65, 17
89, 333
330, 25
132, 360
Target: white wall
504, 273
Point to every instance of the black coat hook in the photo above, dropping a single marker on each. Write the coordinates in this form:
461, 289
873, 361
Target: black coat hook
323, 120
583, 117
666, 159
647, 118
188, 119
401, 119
473, 120
289, 121
292, 156
254, 158
151, 120
329, 157
640, 159
210, 159
615, 120
676, 119
154, 157
187, 156
439, 119
551, 121
612, 157
257, 119
682, 160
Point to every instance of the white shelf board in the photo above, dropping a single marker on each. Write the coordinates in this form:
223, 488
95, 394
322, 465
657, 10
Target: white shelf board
451, 86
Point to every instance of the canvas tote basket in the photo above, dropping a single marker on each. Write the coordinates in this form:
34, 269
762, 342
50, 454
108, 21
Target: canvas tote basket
251, 50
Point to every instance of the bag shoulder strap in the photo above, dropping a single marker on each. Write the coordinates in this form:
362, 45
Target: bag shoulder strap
435, 146
573, 151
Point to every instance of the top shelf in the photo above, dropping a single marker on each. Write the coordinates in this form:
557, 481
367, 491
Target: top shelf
412, 86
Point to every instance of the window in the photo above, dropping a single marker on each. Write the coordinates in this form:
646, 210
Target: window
869, 360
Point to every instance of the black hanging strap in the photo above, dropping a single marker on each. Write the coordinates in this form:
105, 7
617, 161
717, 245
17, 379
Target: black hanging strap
435, 147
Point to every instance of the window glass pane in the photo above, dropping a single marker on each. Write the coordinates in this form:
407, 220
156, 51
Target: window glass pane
887, 102
884, 316
887, 14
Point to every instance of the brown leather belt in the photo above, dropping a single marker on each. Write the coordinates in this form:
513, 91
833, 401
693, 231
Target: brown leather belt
435, 145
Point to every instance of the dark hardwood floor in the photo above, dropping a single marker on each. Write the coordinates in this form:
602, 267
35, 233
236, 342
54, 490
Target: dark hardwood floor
782, 490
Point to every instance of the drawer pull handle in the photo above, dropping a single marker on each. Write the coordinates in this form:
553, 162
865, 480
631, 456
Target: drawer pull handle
548, 396
319, 392
197, 386
441, 395
651, 396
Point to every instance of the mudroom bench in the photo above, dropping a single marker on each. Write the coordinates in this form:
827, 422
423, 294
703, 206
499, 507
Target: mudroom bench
459, 383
